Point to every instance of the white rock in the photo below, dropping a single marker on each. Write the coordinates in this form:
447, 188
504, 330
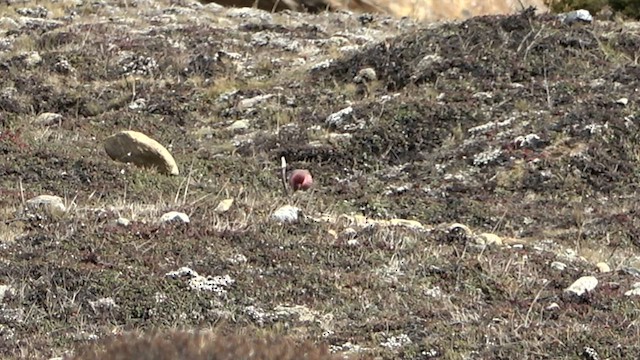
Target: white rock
174, 216
576, 15
560, 266
52, 205
635, 291
47, 119
224, 205
338, 118
552, 306
239, 125
286, 213
583, 285
4, 289
489, 239
252, 102
32, 59
622, 101
123, 221
141, 150
216, 284
603, 267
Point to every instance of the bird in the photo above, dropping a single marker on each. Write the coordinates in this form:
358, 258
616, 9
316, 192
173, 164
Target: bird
300, 180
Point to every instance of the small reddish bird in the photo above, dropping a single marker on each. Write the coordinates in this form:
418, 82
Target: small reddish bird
300, 180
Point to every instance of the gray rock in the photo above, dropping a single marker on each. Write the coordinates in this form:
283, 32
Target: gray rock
238, 125
47, 119
583, 285
286, 214
340, 117
252, 102
123, 221
557, 265
48, 204
141, 150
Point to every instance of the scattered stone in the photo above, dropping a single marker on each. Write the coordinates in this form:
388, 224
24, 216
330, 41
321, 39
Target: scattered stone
134, 64
62, 66
396, 342
603, 267
487, 157
47, 119
589, 353
583, 285
237, 259
40, 24
32, 59
252, 102
36, 12
239, 125
138, 104
123, 221
622, 101
4, 290
552, 306
488, 239
576, 16
560, 266
175, 216
365, 75
530, 141
103, 305
460, 228
51, 205
215, 284
635, 291
412, 224
224, 205
286, 214
139, 149
338, 118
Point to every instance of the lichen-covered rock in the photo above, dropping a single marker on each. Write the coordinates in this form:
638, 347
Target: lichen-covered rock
47, 204
139, 149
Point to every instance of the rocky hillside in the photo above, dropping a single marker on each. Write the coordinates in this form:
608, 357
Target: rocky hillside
474, 182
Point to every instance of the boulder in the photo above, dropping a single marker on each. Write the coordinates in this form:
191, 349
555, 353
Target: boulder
141, 150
